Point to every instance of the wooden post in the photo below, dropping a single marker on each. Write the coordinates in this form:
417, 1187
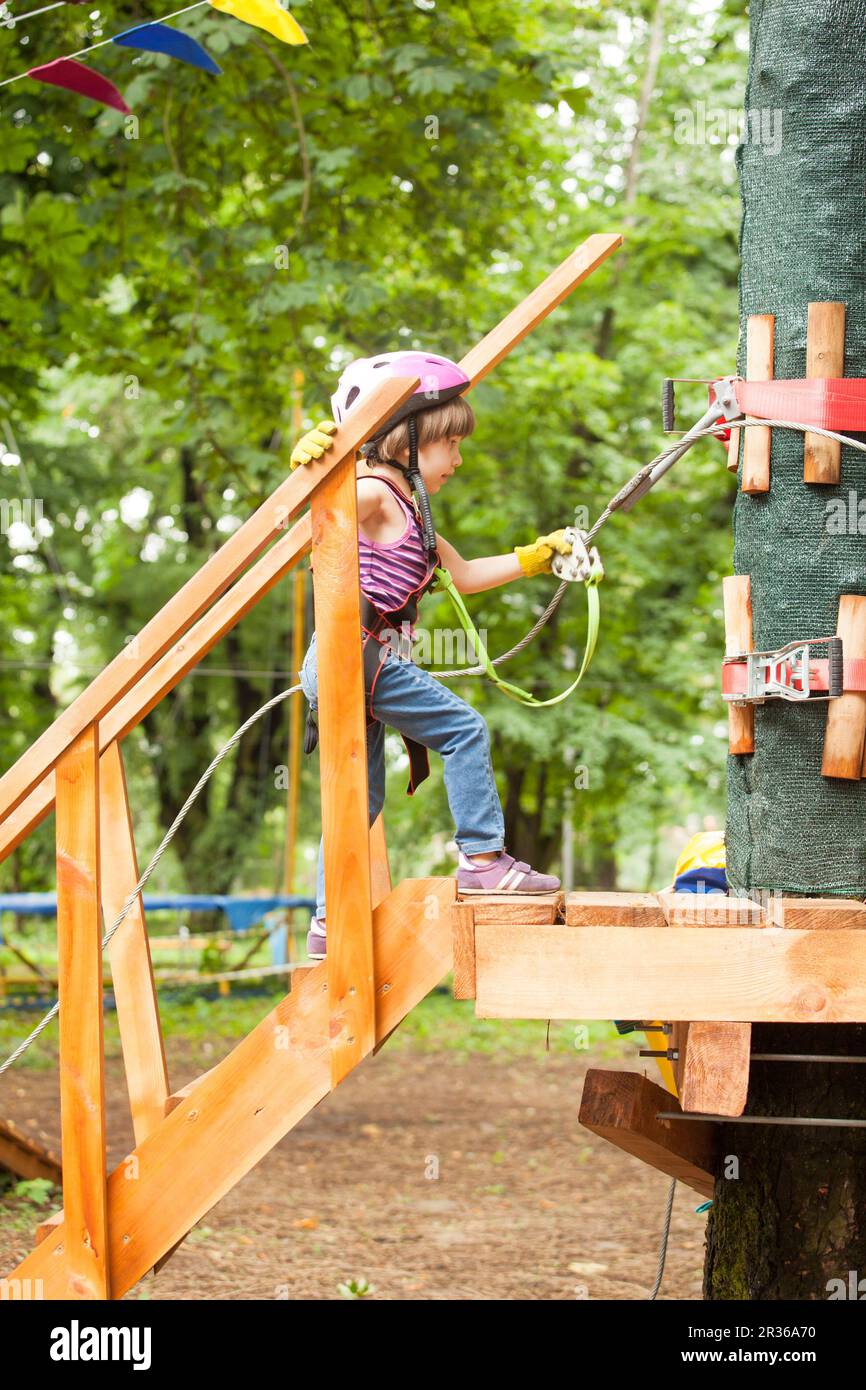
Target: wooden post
714, 1067
463, 935
845, 734
760, 333
343, 770
825, 357
737, 598
79, 968
129, 953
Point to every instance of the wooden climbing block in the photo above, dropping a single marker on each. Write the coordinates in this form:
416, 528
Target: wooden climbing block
713, 1067
463, 934
817, 914
845, 732
516, 907
737, 600
623, 1107
760, 334
613, 910
825, 357
710, 910
25, 1157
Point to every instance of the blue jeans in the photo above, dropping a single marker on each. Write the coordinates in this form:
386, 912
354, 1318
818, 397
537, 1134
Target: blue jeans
412, 701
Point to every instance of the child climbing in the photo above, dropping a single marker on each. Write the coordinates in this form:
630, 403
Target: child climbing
411, 457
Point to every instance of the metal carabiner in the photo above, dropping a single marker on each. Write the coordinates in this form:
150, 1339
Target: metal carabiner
577, 567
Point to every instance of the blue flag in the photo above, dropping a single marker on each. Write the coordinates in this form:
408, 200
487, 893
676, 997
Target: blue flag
161, 38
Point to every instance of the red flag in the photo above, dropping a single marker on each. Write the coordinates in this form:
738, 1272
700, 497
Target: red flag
75, 77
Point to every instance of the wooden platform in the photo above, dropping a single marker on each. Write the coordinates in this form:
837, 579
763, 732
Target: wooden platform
709, 965
667, 956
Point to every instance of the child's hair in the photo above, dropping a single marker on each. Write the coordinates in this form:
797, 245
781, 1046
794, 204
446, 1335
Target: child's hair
454, 417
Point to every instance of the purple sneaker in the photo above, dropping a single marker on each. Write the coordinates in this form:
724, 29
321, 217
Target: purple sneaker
316, 939
504, 874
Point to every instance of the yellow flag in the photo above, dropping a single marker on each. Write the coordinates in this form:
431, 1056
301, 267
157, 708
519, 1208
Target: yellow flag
264, 14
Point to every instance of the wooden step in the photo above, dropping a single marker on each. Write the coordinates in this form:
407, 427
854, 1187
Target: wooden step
541, 908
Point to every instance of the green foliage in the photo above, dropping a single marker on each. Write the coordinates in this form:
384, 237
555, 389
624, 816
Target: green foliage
39, 1191
403, 181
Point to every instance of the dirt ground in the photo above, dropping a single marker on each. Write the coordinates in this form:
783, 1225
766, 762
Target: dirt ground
430, 1176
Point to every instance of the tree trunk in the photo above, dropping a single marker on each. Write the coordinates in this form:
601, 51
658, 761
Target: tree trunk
793, 1217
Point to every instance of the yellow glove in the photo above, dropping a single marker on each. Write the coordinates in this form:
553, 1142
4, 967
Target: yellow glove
312, 444
538, 557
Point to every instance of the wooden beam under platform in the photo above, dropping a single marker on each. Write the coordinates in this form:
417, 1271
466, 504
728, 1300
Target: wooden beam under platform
622, 1107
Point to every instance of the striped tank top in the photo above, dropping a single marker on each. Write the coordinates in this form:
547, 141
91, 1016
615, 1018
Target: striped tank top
392, 570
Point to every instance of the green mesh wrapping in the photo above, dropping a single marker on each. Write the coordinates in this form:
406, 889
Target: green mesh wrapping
803, 238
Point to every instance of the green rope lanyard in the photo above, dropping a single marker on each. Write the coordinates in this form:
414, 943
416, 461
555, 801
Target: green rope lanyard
515, 692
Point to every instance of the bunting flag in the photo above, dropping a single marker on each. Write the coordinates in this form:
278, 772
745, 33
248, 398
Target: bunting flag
264, 14
75, 77
161, 38
158, 37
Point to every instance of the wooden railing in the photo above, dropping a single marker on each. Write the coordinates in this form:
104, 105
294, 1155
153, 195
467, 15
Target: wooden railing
76, 767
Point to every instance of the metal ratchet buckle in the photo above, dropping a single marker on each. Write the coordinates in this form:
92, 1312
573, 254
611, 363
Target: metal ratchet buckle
785, 674
579, 565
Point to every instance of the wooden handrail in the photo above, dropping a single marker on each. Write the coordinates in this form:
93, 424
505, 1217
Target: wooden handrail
190, 601
228, 610
536, 306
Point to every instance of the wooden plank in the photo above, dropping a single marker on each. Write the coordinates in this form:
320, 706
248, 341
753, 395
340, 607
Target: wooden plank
253, 1097
380, 869
845, 732
129, 954
715, 1068
733, 461
825, 357
737, 599
727, 974
818, 914
25, 1157
343, 770
613, 910
540, 908
710, 910
79, 967
463, 935
760, 334
191, 600
536, 306
622, 1106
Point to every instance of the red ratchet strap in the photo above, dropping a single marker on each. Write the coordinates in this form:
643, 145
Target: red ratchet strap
853, 677
838, 403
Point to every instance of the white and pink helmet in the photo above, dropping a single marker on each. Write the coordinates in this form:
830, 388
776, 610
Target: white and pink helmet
441, 379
